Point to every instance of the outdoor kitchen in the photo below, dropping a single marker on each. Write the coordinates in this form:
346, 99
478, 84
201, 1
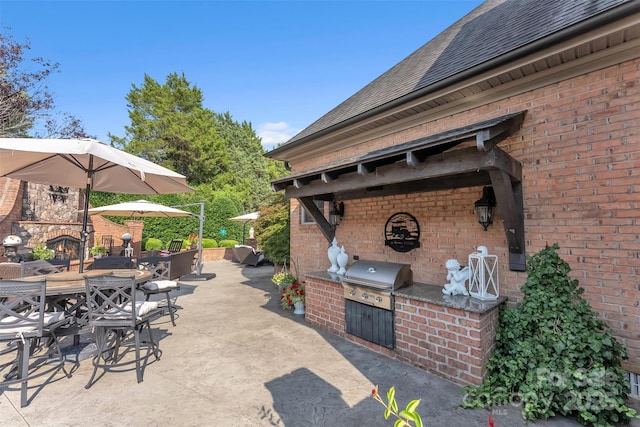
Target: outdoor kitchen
377, 304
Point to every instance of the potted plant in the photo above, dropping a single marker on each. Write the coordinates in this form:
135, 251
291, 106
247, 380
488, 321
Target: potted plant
40, 252
98, 251
293, 297
283, 279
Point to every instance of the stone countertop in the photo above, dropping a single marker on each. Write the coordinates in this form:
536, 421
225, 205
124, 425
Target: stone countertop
433, 294
325, 275
427, 293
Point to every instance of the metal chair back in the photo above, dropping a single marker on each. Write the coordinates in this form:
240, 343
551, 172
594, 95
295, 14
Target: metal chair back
158, 266
112, 262
22, 306
175, 246
39, 267
111, 301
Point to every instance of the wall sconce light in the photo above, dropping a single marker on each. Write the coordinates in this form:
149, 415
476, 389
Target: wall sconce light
485, 207
336, 213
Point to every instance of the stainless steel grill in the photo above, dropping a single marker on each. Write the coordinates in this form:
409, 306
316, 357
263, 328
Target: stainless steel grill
387, 276
368, 299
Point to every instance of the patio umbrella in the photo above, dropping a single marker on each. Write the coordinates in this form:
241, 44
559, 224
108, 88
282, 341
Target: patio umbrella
139, 208
244, 219
85, 162
145, 208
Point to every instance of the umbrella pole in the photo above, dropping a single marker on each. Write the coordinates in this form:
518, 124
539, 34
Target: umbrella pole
244, 225
199, 275
85, 216
201, 219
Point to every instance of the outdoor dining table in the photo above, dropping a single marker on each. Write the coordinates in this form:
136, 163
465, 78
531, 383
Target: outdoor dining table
71, 283
65, 291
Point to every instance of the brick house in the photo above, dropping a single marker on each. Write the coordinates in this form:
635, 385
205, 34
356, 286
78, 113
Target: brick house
547, 115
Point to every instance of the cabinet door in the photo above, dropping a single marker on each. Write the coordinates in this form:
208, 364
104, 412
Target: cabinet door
370, 323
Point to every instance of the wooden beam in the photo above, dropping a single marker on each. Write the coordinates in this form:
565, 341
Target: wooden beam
325, 228
413, 159
424, 186
326, 177
364, 169
509, 202
442, 166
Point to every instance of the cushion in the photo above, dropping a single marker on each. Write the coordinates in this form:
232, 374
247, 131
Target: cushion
12, 324
145, 307
159, 285
142, 308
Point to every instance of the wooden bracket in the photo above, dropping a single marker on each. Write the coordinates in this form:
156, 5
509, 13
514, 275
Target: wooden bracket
510, 204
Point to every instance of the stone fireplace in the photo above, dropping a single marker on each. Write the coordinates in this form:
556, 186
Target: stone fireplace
65, 247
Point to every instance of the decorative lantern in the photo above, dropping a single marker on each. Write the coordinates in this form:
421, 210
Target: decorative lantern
483, 275
485, 207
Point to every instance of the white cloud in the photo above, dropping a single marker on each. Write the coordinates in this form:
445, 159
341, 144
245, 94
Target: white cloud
273, 134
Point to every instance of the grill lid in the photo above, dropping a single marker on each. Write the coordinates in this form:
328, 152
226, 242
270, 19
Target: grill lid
379, 274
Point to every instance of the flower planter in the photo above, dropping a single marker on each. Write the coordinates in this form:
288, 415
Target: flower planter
298, 308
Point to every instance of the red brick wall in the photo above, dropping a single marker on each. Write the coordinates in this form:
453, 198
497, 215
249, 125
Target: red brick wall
324, 305
449, 342
580, 150
11, 208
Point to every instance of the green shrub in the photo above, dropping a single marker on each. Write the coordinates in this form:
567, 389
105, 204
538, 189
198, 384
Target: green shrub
152, 244
272, 229
40, 252
553, 355
209, 243
227, 243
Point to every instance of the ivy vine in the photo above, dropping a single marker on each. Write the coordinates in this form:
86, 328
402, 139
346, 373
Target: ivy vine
553, 354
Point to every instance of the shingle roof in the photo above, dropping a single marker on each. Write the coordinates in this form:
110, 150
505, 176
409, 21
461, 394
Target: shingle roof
492, 30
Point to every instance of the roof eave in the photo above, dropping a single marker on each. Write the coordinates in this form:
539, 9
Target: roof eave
604, 18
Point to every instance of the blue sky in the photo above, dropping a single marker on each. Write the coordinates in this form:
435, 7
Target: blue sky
280, 65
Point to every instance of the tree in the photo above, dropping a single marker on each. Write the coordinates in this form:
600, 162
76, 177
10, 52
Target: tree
25, 99
169, 127
248, 172
272, 228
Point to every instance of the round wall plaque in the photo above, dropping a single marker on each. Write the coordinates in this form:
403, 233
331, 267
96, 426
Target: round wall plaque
402, 232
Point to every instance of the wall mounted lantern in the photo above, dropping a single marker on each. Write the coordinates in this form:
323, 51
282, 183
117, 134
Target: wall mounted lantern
336, 213
485, 207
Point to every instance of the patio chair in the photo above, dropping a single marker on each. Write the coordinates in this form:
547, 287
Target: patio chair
24, 323
9, 270
107, 242
160, 283
112, 262
175, 246
115, 314
247, 255
63, 264
39, 267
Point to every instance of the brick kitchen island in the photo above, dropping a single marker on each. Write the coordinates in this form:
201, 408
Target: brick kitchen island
449, 336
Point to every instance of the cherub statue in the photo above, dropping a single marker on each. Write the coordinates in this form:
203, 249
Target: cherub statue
457, 277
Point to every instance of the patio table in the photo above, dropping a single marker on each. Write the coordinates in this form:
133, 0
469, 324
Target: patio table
71, 283
65, 291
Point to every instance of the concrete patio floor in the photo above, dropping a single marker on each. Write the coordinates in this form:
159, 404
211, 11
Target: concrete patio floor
236, 358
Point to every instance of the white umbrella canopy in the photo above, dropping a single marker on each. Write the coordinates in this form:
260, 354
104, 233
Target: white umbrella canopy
85, 163
252, 216
139, 208
71, 162
246, 217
